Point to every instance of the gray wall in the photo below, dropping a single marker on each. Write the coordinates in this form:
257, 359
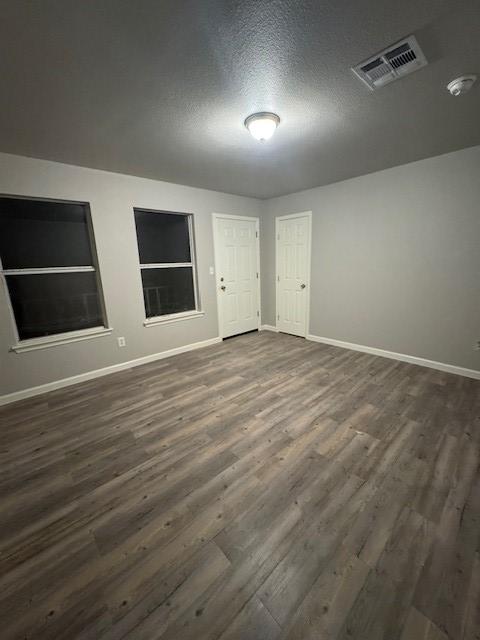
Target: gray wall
395, 261
395, 258
112, 197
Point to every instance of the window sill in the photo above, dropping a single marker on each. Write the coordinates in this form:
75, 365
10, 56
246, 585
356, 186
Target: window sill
174, 317
60, 338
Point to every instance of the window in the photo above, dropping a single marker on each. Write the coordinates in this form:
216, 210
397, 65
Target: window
167, 263
48, 264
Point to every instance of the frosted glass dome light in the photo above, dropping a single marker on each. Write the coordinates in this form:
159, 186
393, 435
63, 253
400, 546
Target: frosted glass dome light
262, 125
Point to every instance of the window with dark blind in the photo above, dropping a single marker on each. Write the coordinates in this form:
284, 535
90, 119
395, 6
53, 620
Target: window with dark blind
167, 262
49, 267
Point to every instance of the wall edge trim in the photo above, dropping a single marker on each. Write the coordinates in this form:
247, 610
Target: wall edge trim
402, 357
268, 327
104, 371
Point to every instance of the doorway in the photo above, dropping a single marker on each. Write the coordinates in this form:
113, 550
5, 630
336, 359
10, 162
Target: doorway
293, 235
237, 259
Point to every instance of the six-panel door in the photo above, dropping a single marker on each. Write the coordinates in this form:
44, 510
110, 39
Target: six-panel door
237, 275
293, 250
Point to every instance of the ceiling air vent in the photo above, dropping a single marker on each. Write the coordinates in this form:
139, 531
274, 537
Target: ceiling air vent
391, 64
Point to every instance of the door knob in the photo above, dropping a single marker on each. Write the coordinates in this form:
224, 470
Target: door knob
223, 287
302, 286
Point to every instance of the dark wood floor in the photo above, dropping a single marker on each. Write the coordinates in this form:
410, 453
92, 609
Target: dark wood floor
264, 488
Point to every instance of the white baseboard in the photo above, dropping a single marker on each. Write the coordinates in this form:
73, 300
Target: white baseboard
268, 327
422, 362
97, 373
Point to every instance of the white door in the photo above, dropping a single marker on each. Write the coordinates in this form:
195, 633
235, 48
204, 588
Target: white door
293, 273
237, 278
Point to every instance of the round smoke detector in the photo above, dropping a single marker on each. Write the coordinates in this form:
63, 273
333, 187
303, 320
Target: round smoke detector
461, 85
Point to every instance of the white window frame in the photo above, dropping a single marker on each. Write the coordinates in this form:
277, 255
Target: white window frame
182, 315
56, 339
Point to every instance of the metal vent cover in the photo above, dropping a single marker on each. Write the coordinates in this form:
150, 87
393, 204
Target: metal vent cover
392, 63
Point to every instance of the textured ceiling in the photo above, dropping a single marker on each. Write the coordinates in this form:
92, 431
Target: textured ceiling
161, 88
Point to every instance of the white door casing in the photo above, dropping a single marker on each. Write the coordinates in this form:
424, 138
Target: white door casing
293, 248
237, 276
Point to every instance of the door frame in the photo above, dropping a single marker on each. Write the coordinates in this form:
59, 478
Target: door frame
256, 219
278, 219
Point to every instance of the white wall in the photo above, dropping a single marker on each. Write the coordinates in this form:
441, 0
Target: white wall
112, 198
395, 258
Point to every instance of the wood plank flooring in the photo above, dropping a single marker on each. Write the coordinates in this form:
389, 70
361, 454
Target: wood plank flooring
266, 488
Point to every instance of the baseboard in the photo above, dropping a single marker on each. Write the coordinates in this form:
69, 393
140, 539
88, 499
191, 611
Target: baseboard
98, 373
268, 327
422, 362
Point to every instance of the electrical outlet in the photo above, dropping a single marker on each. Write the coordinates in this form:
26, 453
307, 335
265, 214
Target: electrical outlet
477, 345
121, 342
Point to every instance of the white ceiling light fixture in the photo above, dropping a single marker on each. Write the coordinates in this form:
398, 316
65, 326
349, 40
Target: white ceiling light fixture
461, 85
262, 125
